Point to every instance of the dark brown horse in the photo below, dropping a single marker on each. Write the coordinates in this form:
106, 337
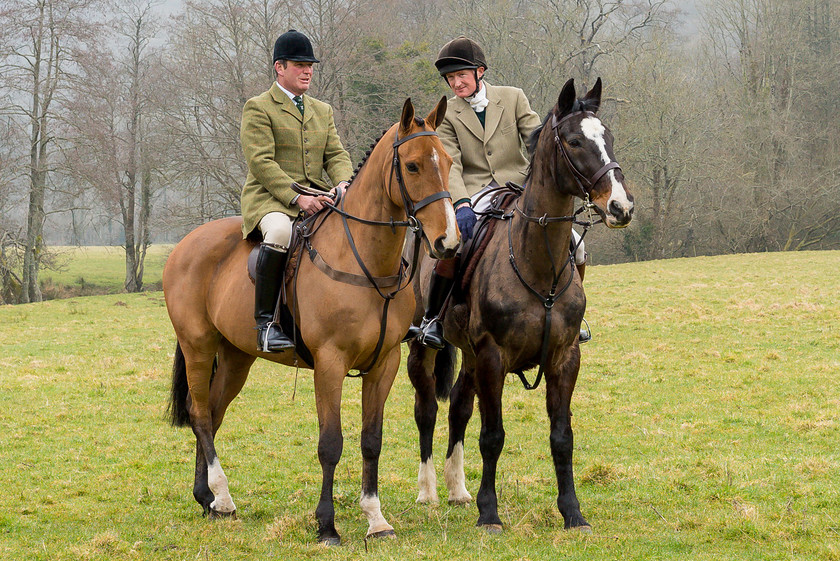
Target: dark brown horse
522, 308
211, 302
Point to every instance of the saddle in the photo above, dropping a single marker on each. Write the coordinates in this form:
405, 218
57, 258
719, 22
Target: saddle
484, 229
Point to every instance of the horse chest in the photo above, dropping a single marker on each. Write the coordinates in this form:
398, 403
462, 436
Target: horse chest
515, 317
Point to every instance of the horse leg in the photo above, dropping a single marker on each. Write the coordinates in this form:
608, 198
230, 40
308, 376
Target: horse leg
420, 363
489, 383
461, 403
376, 385
210, 394
328, 385
559, 388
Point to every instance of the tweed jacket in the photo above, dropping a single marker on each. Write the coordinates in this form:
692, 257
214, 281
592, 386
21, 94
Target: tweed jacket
480, 155
280, 147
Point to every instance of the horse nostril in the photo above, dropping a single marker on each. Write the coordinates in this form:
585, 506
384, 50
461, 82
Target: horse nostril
441, 249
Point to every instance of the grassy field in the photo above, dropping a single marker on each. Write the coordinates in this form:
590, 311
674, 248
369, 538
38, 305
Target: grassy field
706, 428
97, 270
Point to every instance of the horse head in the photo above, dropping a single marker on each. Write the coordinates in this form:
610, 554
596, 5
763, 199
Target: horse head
422, 171
586, 146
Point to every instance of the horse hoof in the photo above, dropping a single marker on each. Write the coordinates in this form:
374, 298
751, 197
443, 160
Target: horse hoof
460, 501
583, 528
430, 500
331, 541
215, 514
493, 529
383, 534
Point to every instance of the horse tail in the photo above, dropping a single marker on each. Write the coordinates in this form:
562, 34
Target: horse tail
445, 370
179, 414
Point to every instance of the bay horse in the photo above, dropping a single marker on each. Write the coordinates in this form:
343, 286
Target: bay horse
344, 324
522, 308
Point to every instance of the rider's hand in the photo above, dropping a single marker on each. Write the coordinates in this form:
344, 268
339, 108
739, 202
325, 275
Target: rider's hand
340, 188
465, 217
310, 205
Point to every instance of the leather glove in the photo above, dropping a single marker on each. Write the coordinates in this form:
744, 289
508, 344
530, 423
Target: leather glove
465, 217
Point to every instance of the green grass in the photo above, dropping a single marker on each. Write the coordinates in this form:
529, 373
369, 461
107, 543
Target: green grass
97, 270
706, 428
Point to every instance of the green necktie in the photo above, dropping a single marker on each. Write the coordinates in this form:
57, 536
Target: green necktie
299, 102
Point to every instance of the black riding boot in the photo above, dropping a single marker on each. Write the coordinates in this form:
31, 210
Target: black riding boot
270, 337
585, 333
432, 329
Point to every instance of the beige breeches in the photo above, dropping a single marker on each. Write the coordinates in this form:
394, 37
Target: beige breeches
276, 228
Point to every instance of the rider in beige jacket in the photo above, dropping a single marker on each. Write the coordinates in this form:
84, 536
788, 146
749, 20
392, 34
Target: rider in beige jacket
486, 130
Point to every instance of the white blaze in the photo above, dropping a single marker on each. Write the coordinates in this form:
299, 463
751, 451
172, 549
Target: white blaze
593, 129
450, 239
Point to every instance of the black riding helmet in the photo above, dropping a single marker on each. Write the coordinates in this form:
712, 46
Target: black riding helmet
295, 46
461, 53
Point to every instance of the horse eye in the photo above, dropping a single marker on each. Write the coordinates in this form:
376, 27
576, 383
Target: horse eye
412, 168
575, 143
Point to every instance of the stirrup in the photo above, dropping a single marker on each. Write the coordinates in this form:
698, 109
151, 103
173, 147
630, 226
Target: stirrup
585, 333
438, 343
281, 343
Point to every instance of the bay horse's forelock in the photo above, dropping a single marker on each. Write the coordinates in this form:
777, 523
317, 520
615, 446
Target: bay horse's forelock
508, 320
211, 303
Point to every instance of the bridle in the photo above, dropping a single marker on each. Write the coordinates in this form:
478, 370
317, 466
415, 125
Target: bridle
580, 179
585, 185
406, 269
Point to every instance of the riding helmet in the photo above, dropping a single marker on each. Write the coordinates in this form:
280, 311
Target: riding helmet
460, 53
294, 45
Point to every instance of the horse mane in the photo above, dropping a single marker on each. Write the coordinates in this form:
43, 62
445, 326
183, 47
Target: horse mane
367, 155
420, 122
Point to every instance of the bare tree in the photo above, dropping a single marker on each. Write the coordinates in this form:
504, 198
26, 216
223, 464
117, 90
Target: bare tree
42, 38
215, 64
769, 62
111, 122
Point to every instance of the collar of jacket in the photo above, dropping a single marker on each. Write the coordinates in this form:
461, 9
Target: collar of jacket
492, 117
289, 106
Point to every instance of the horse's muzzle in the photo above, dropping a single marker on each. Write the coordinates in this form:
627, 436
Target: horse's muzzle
619, 213
440, 249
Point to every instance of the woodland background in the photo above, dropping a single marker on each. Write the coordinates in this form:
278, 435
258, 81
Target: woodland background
119, 121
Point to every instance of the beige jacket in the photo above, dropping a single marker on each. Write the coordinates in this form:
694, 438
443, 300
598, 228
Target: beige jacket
282, 147
494, 152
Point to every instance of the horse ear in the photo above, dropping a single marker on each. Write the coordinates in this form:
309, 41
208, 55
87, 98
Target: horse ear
407, 116
435, 118
592, 100
566, 99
